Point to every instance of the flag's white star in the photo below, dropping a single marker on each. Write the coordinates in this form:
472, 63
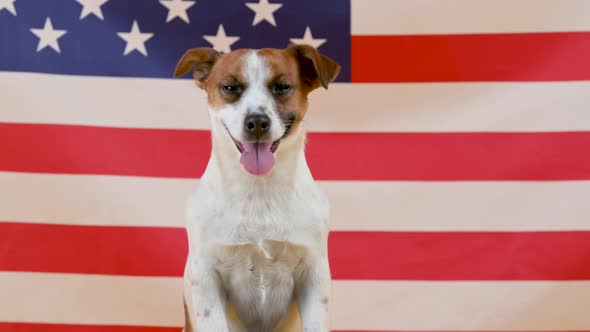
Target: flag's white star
48, 36
264, 11
308, 39
91, 7
135, 39
177, 8
221, 42
8, 5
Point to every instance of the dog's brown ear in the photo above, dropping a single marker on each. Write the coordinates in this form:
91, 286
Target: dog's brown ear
315, 68
202, 59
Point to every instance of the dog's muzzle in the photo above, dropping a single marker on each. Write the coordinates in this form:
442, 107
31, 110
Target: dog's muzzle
257, 155
256, 126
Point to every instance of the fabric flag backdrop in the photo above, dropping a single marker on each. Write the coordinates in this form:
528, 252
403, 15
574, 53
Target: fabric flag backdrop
455, 149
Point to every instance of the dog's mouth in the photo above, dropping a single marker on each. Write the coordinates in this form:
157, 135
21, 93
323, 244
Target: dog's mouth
257, 157
241, 148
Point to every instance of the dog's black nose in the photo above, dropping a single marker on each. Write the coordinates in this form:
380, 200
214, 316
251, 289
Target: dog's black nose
256, 125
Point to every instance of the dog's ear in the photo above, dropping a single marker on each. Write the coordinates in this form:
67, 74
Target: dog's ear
201, 59
315, 68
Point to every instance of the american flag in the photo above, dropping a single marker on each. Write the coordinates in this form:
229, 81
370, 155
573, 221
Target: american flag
454, 147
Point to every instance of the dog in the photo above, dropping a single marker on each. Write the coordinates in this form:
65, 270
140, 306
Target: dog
257, 222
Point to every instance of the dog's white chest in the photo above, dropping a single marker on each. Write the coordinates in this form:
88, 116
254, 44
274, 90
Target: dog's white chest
260, 278
297, 214
260, 244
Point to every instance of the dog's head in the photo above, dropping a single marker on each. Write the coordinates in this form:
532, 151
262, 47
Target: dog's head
259, 97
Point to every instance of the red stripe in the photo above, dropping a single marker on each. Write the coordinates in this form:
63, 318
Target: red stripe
102, 150
461, 255
353, 255
332, 156
561, 56
150, 251
34, 327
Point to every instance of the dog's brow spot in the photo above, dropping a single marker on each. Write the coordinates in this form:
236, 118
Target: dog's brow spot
206, 313
325, 300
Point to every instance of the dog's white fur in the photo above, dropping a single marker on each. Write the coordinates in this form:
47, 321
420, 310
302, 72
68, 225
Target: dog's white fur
280, 216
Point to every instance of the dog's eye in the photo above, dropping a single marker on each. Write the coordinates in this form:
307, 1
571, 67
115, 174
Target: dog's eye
231, 89
281, 89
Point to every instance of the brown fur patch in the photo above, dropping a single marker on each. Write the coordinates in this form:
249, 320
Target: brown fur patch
285, 68
315, 68
188, 326
227, 69
199, 59
300, 67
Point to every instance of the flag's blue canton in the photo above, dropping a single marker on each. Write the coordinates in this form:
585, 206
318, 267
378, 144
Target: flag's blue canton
92, 46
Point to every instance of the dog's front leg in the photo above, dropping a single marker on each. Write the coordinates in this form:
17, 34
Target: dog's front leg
209, 299
313, 297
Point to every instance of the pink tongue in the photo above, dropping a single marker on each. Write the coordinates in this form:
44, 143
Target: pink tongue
257, 158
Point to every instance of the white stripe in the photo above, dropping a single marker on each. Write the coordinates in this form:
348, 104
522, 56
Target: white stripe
93, 200
460, 206
356, 205
460, 306
362, 305
101, 101
397, 17
90, 299
436, 107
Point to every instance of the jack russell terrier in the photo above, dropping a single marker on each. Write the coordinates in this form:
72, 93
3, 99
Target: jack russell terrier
257, 222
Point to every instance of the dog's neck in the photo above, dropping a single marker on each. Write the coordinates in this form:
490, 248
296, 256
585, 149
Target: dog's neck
224, 168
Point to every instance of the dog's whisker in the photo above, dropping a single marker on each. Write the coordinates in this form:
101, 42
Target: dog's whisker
306, 123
